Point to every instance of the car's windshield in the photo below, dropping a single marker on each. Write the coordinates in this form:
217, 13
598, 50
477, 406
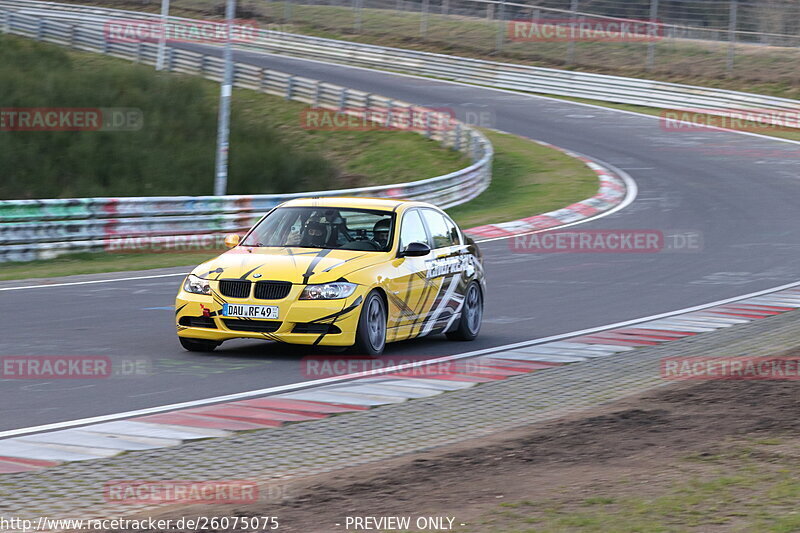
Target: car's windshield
325, 227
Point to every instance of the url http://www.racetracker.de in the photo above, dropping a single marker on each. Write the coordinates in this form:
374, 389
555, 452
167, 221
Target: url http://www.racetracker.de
198, 523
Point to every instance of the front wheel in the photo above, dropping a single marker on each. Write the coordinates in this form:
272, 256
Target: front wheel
471, 315
371, 332
198, 345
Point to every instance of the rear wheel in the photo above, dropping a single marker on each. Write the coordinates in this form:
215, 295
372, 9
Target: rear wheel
371, 332
469, 325
198, 345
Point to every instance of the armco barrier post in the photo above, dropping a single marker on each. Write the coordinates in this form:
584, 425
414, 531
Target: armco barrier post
501, 27
357, 16
423, 22
428, 124
317, 91
651, 46
287, 11
571, 46
734, 9
289, 87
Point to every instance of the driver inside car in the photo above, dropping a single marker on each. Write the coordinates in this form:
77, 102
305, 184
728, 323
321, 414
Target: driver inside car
380, 233
314, 234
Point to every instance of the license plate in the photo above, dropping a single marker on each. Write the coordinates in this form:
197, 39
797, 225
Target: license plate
269, 312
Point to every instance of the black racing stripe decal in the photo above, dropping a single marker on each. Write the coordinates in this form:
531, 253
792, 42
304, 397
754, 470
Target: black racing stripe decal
178, 310
270, 336
430, 286
244, 276
322, 336
335, 317
340, 313
217, 298
401, 304
314, 262
343, 262
215, 271
291, 255
439, 299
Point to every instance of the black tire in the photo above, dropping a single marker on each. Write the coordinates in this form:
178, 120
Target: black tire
198, 345
469, 325
371, 332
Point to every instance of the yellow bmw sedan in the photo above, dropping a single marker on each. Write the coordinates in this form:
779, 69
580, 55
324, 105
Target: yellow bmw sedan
355, 272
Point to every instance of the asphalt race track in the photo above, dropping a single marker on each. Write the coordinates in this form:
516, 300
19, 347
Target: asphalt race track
738, 191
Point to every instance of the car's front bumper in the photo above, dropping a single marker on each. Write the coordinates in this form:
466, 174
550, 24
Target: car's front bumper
330, 322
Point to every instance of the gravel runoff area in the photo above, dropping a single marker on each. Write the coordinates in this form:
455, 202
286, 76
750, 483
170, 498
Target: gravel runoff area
280, 458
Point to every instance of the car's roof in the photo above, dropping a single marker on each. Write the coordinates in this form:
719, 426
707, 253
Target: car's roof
384, 204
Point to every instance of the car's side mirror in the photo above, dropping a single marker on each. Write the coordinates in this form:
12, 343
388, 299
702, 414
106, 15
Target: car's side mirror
415, 249
232, 240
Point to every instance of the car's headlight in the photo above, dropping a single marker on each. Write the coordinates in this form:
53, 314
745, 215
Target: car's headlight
328, 291
196, 285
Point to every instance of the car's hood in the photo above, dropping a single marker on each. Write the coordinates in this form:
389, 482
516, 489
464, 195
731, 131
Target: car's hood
297, 265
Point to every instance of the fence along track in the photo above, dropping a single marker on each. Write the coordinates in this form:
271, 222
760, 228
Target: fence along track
42, 229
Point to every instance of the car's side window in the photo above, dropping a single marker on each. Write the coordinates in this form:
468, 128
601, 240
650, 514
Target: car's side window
455, 235
439, 229
412, 229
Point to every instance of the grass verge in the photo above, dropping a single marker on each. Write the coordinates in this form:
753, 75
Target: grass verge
748, 487
173, 152
528, 179
97, 263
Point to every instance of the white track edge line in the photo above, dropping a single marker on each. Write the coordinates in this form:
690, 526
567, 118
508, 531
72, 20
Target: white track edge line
44, 285
630, 195
336, 379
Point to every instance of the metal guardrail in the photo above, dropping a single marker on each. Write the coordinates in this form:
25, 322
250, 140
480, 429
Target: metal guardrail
509, 76
41, 229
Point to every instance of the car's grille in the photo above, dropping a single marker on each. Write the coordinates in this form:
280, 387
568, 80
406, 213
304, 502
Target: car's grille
311, 327
197, 322
234, 288
257, 326
272, 290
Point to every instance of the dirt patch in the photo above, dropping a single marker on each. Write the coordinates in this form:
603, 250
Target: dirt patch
638, 447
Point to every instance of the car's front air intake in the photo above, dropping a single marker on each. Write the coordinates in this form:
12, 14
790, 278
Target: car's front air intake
256, 326
272, 290
234, 288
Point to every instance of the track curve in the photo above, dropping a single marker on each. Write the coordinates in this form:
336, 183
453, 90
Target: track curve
744, 205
